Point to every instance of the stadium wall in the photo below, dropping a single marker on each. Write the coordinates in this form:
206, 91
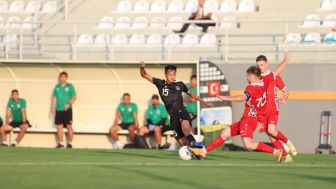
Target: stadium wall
312, 85
98, 86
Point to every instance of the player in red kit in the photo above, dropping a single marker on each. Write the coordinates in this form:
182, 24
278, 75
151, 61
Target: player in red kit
255, 97
273, 84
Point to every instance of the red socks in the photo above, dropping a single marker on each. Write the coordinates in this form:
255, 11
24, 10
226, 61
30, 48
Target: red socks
214, 144
277, 144
281, 137
264, 148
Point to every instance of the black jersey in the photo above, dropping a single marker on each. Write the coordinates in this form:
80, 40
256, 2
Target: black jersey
171, 94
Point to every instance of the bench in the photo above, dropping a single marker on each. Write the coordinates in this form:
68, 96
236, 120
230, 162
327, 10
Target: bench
46, 137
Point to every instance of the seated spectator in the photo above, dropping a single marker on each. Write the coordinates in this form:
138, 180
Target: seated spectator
126, 119
198, 15
191, 104
157, 121
16, 117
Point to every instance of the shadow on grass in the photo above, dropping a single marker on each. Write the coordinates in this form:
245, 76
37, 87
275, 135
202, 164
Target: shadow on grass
178, 179
138, 153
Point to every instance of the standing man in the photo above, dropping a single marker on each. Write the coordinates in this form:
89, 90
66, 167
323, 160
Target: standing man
64, 96
191, 104
127, 115
157, 121
16, 117
274, 83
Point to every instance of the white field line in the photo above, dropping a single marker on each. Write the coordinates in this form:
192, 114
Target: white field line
165, 164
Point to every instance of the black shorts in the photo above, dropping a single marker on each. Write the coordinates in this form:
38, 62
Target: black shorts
164, 128
18, 124
125, 126
63, 118
176, 120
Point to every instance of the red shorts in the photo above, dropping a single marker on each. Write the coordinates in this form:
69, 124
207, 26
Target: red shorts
245, 127
270, 118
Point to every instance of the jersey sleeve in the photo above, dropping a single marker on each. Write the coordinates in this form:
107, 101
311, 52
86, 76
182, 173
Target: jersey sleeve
135, 108
54, 92
8, 103
158, 82
248, 93
24, 104
73, 91
279, 83
185, 88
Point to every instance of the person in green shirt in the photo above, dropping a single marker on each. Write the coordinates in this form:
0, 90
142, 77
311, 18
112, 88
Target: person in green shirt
1, 121
63, 97
191, 104
16, 117
157, 121
126, 119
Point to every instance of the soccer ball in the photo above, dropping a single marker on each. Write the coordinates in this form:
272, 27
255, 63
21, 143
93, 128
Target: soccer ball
185, 154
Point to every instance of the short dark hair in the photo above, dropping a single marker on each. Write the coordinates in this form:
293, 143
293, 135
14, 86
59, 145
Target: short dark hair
126, 94
170, 67
261, 58
15, 91
155, 96
254, 70
63, 73
193, 77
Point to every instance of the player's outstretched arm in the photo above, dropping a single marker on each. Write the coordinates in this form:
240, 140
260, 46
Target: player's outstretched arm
196, 97
238, 98
284, 99
143, 72
282, 65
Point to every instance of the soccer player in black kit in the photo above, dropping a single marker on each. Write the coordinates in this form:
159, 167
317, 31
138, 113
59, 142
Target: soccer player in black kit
171, 94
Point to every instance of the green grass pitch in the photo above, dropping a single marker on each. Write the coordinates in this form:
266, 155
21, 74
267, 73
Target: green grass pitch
151, 169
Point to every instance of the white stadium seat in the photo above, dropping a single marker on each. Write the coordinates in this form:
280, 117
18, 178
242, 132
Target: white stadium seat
190, 39
140, 22
328, 5
10, 39
311, 21
119, 40
105, 22
158, 23
123, 22
137, 39
141, 6
29, 23
229, 22
33, 6
191, 6
158, 6
293, 38
246, 6
85, 39
175, 23
2, 22
172, 39
3, 6
312, 38
175, 6
211, 6
16, 7
208, 39
102, 40
228, 6
14, 22
154, 39
330, 38
49, 7
124, 7
329, 21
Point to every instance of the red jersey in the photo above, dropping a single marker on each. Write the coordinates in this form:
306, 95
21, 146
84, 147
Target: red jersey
256, 100
273, 84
